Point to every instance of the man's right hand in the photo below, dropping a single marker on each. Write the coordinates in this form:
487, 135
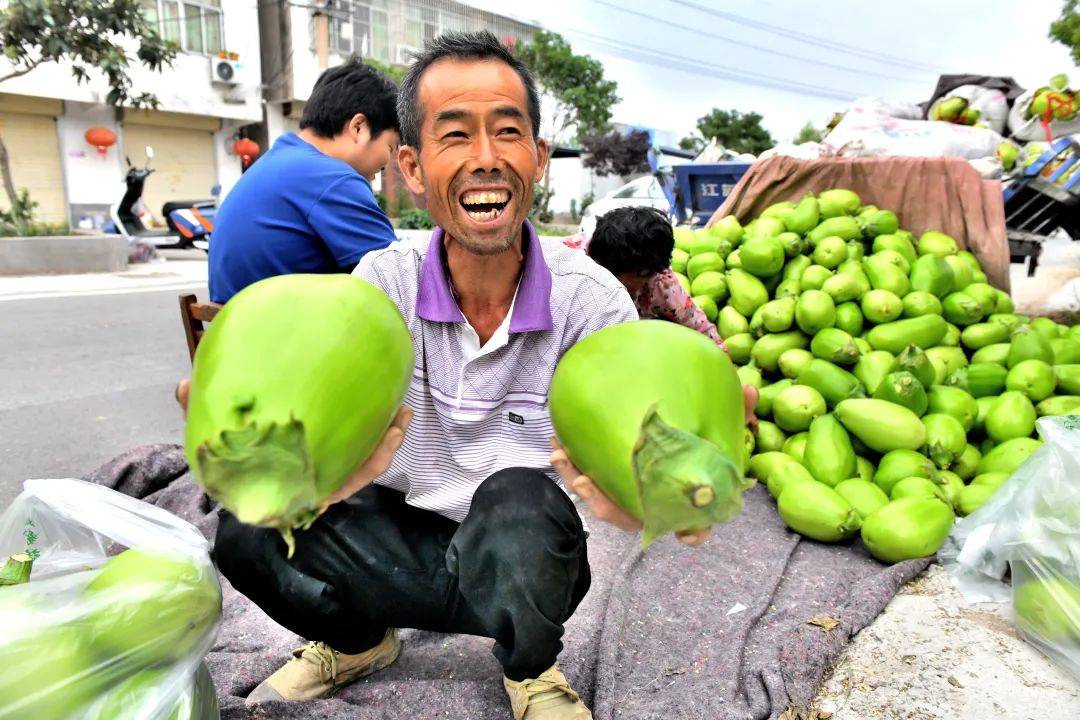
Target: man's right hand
183, 389
378, 462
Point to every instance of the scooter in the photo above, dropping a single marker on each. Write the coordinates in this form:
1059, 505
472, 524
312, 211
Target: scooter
130, 226
193, 220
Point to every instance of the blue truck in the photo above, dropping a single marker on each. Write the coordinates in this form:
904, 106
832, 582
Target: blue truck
701, 188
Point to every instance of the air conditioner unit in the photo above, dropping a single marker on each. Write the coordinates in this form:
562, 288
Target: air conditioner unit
405, 54
224, 71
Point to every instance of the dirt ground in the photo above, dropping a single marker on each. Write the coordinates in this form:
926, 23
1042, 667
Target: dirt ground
931, 656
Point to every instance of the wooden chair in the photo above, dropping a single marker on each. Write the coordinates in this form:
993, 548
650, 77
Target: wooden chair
193, 314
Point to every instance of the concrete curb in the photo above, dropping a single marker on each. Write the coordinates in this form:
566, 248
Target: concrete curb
61, 255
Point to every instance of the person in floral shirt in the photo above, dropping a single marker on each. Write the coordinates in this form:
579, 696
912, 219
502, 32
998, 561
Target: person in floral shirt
634, 244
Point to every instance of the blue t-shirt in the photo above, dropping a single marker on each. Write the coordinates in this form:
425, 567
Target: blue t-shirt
296, 210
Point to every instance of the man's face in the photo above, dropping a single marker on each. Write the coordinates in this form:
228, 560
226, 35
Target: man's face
373, 155
478, 159
634, 280
366, 154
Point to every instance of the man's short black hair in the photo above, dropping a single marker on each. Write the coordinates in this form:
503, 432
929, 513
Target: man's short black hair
469, 46
633, 239
343, 91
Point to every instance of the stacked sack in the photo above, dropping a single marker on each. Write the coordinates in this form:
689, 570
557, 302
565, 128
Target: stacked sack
897, 388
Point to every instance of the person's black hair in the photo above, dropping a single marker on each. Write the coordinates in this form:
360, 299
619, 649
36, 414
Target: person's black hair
632, 239
345, 90
470, 46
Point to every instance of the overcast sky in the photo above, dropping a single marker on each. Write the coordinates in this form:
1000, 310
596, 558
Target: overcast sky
670, 75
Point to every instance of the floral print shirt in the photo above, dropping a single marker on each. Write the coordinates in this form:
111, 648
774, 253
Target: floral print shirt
663, 298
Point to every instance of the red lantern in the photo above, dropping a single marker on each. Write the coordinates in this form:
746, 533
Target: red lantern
101, 138
247, 149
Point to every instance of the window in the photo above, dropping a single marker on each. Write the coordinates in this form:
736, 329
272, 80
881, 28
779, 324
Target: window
150, 10
414, 29
380, 35
421, 25
170, 19
194, 25
431, 24
341, 28
371, 30
451, 21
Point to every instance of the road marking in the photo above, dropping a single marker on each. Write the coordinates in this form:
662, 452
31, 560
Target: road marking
45, 294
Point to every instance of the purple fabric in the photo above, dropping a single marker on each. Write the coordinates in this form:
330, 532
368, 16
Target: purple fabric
660, 634
532, 307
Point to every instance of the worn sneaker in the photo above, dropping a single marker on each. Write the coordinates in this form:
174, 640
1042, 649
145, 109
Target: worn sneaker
548, 697
318, 671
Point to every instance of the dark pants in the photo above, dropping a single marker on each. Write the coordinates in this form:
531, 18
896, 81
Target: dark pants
514, 570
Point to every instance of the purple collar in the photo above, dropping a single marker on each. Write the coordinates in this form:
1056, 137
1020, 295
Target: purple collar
532, 306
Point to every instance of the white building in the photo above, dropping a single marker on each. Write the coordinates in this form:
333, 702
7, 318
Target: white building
281, 46
300, 40
45, 114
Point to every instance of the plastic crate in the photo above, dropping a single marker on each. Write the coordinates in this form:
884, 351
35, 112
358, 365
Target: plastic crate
703, 188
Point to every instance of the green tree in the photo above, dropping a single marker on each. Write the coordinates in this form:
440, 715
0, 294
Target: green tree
394, 72
617, 154
809, 133
1066, 29
741, 132
693, 143
574, 91
94, 36
575, 96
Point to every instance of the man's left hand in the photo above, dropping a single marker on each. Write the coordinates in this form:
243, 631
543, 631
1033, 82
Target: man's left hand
600, 504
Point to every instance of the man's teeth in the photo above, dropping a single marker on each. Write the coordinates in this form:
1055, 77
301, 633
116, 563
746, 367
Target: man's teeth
485, 198
484, 216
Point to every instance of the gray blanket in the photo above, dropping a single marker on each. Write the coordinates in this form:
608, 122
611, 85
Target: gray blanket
740, 628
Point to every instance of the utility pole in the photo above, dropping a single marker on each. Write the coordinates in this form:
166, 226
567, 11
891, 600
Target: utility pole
322, 33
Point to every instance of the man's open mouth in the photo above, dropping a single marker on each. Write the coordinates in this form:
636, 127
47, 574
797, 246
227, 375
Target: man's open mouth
485, 205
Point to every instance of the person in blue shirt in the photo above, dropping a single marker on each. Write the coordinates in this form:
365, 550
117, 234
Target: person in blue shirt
307, 205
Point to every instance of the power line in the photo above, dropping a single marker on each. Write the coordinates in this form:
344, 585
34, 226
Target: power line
694, 66
809, 39
733, 41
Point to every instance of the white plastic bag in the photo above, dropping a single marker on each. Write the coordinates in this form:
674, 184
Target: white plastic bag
122, 604
868, 133
1030, 529
802, 151
1024, 128
897, 109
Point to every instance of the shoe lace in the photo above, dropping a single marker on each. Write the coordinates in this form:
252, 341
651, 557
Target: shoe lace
324, 656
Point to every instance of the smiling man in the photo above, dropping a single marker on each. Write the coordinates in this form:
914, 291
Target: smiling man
467, 528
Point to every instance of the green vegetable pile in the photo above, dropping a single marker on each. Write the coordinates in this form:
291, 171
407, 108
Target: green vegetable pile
143, 612
898, 389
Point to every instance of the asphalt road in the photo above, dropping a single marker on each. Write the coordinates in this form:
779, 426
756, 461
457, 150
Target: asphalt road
85, 378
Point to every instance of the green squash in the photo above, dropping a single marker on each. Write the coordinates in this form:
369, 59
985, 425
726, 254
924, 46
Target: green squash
817, 511
908, 528
294, 384
652, 412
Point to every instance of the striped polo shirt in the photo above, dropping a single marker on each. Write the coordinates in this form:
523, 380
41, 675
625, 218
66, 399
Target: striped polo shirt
480, 409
